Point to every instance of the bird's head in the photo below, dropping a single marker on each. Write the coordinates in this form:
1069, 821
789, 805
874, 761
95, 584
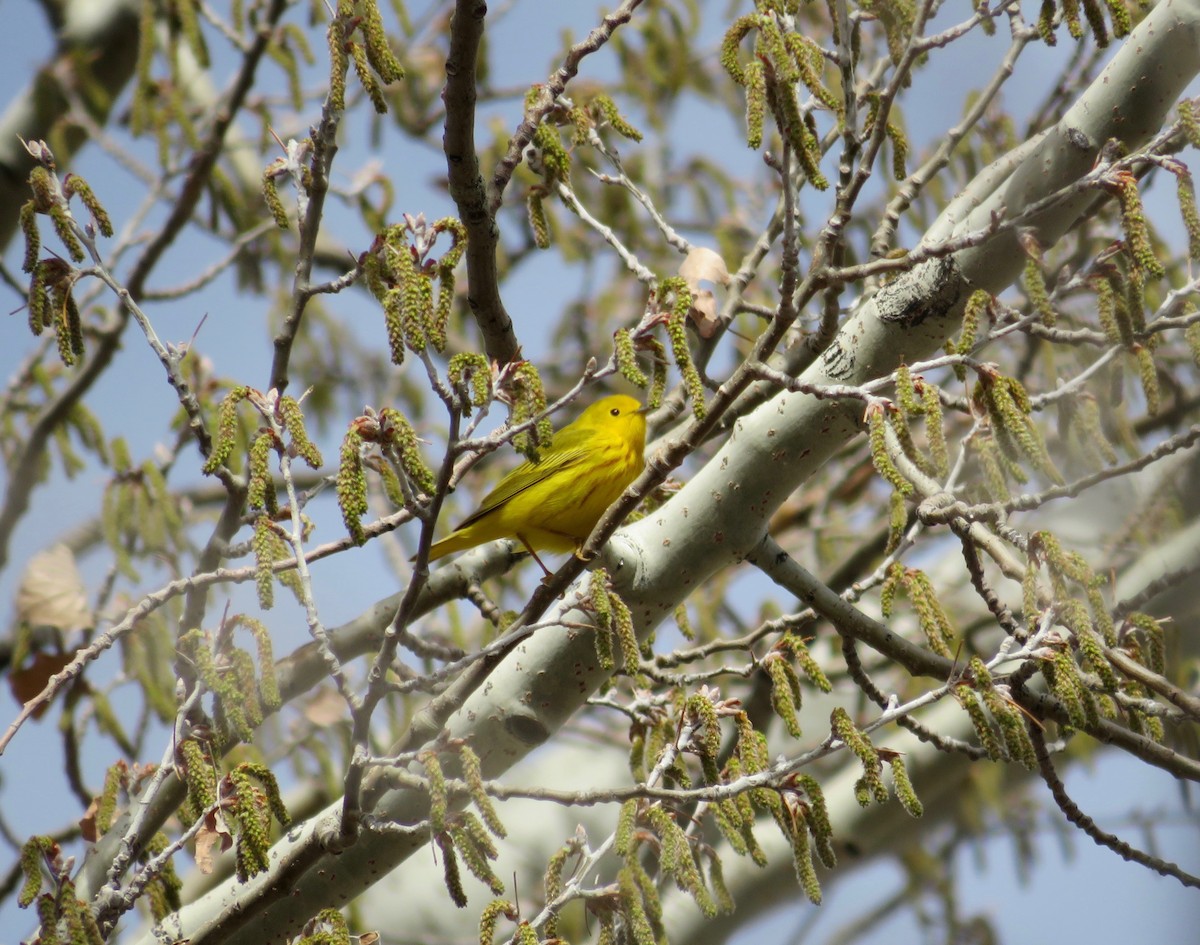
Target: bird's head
618, 414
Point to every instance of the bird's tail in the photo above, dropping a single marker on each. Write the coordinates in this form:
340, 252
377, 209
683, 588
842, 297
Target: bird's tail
455, 541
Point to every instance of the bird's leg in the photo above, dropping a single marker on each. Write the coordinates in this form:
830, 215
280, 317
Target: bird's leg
529, 548
585, 558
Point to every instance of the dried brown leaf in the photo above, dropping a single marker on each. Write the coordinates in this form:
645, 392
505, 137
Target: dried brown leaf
31, 679
213, 838
325, 707
703, 265
52, 593
704, 313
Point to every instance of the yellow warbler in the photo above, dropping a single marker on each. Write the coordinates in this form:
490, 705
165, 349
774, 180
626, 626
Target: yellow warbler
553, 504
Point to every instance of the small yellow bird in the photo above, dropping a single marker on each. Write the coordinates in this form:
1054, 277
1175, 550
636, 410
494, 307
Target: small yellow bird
554, 504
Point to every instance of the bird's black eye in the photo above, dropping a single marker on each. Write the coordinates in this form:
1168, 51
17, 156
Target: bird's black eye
616, 411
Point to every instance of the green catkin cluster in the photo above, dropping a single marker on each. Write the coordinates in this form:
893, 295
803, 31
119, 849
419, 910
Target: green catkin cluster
471, 377
684, 623
439, 798
639, 904
915, 397
268, 547
528, 399
339, 64
491, 916
268, 683
260, 490
200, 775
270, 192
64, 908
1094, 15
27, 219
1091, 630
1112, 311
227, 430
601, 605
255, 800
1014, 743
1192, 335
756, 103
716, 879
1062, 675
622, 621
106, 805
810, 62
292, 420
1148, 375
476, 848
399, 440
76, 186
626, 824
979, 721
817, 819
977, 306
552, 882
230, 676
473, 775
682, 299
780, 60
1120, 306
935, 428
906, 392
903, 787
52, 304
450, 872
794, 646
1016, 434
1137, 230
1152, 636
556, 160
1189, 122
627, 360
539, 221
676, 859
526, 933
706, 739
163, 891
861, 747
602, 111
327, 927
402, 272
352, 484
893, 132
898, 19
931, 616
899, 419
67, 321
785, 691
658, 378
1186, 195
356, 36
1081, 417
49, 199
877, 440
35, 851
802, 860
1035, 289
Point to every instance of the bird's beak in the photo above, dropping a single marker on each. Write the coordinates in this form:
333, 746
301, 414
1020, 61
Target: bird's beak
645, 409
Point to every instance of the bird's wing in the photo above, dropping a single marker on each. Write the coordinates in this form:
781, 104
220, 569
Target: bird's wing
526, 476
